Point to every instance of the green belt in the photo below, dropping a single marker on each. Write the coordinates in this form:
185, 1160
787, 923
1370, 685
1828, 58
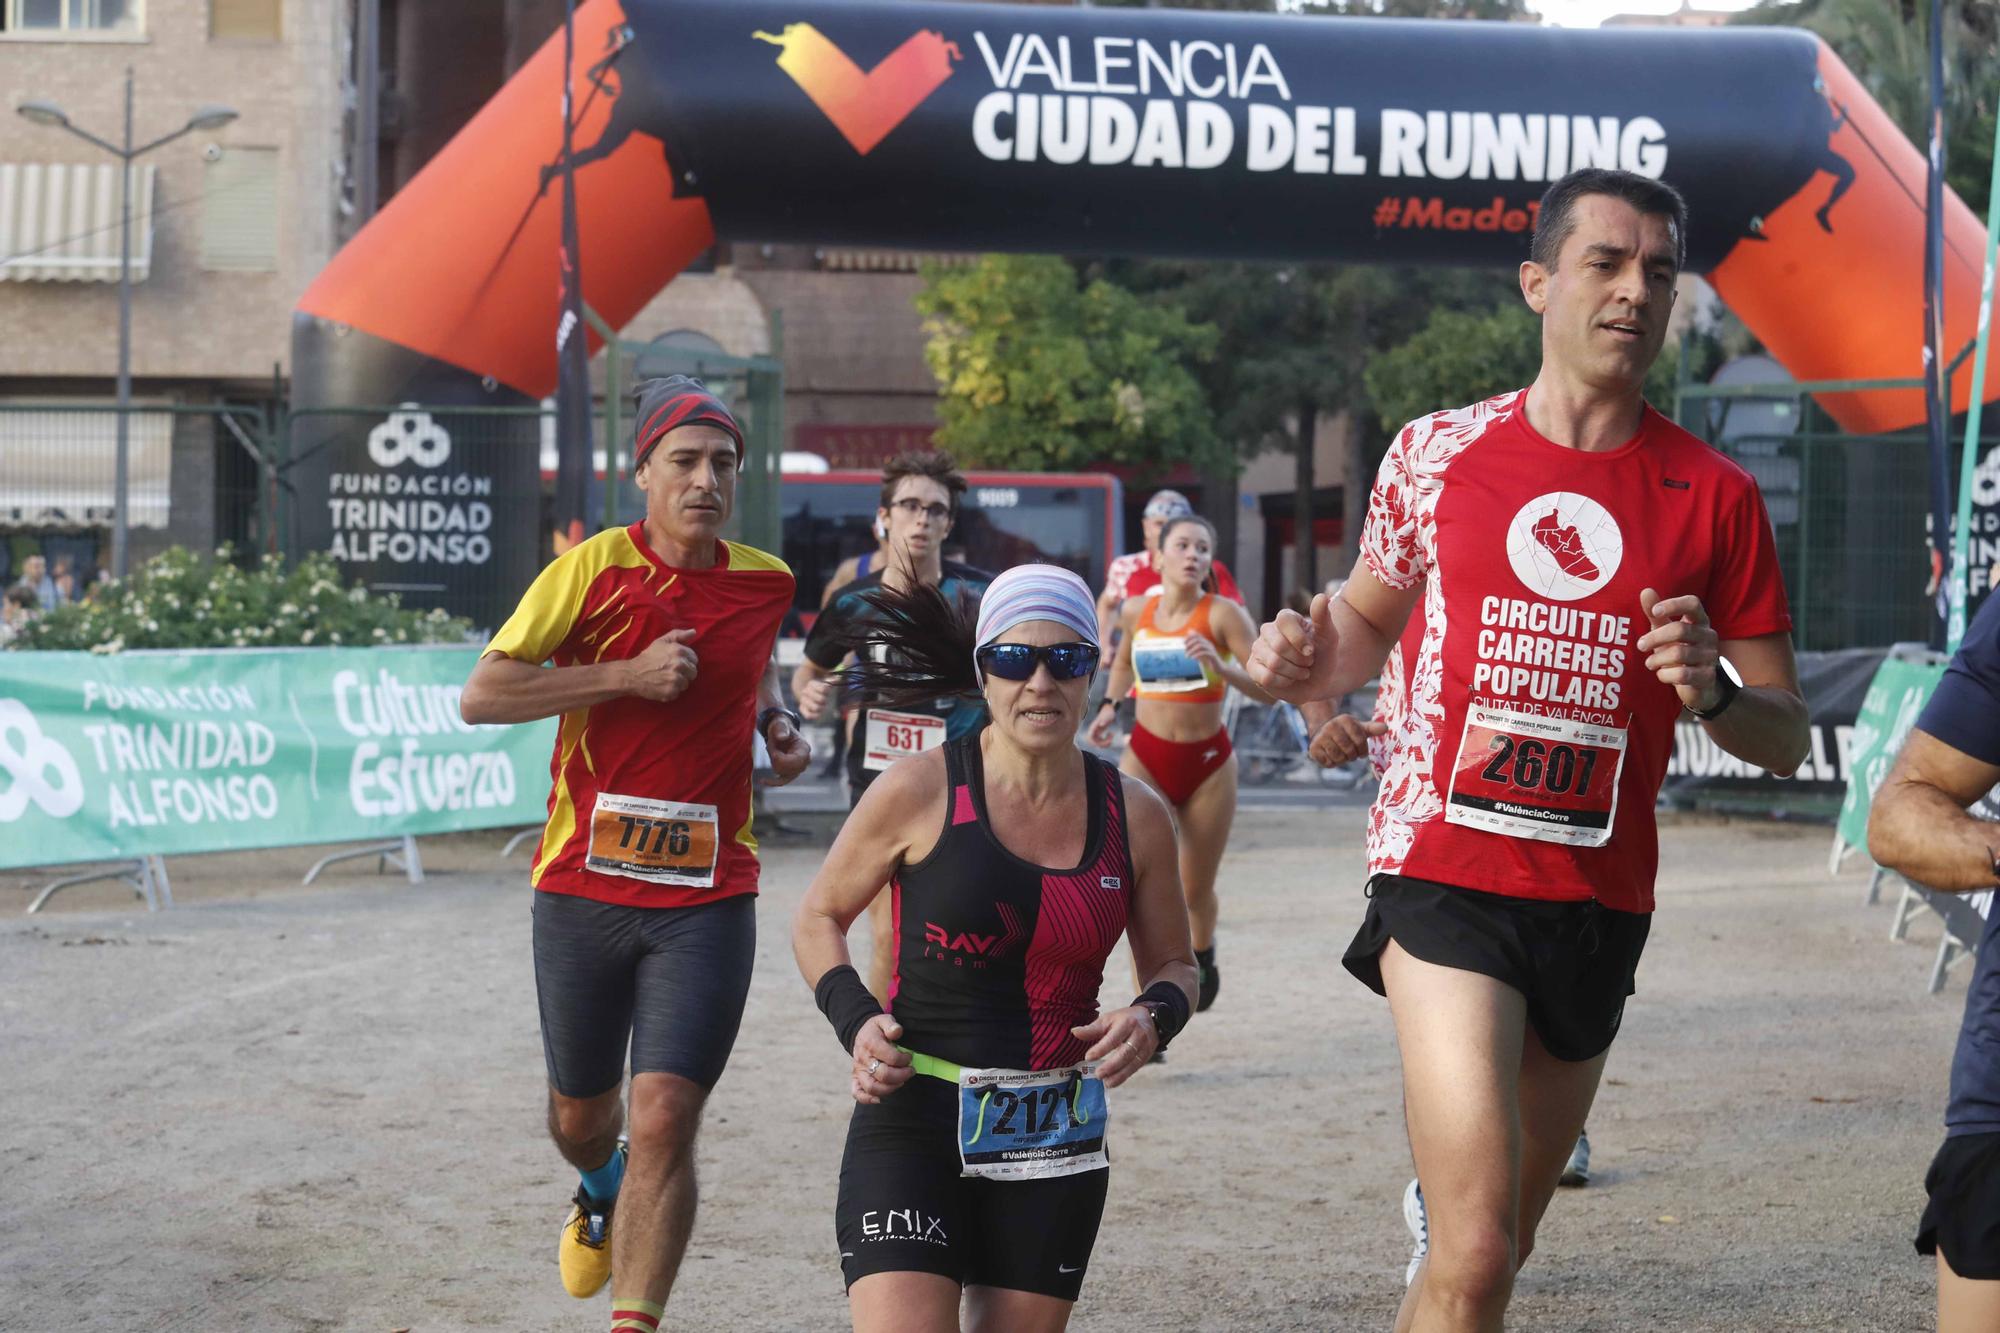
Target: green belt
930, 1064
950, 1073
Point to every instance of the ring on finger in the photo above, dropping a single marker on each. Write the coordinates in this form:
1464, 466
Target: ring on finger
873, 1065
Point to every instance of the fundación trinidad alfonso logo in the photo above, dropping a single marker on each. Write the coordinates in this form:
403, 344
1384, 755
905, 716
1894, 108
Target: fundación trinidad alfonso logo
1564, 545
38, 768
409, 436
863, 107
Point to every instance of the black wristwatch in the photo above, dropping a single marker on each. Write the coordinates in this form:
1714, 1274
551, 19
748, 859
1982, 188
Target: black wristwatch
1730, 689
778, 710
1155, 1008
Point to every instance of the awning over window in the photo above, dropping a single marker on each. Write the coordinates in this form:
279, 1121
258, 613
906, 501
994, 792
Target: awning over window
58, 467
59, 222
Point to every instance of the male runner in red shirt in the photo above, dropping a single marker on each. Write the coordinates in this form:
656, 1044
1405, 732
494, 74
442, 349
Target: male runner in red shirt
644, 926
1583, 564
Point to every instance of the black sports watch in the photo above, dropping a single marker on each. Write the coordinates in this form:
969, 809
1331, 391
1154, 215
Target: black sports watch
778, 710
1156, 1009
1730, 689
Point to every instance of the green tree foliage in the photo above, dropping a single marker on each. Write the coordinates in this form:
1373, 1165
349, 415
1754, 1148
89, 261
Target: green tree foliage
1886, 43
1304, 334
179, 600
1461, 357
1039, 368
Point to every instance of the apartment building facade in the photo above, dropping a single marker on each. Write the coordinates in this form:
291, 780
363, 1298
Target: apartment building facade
227, 225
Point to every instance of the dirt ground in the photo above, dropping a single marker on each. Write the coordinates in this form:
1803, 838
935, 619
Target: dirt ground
276, 1108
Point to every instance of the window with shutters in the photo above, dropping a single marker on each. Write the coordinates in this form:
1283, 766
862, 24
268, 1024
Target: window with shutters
239, 222
245, 20
71, 18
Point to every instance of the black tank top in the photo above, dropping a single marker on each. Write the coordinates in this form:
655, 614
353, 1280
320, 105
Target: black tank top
997, 958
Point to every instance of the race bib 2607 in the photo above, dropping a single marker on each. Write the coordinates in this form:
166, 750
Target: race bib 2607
1528, 776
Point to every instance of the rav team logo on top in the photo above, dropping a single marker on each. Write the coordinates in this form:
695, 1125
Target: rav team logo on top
1564, 546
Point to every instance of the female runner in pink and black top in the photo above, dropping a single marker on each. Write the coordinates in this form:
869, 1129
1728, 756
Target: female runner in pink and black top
975, 1166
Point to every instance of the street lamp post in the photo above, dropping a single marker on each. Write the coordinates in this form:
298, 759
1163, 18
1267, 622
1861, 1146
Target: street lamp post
43, 112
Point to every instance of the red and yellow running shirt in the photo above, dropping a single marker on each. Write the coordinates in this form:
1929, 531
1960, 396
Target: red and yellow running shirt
1527, 739
650, 803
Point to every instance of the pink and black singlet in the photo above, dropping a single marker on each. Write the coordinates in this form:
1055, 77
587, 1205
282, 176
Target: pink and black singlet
997, 958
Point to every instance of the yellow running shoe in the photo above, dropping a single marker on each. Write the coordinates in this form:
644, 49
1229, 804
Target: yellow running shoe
585, 1253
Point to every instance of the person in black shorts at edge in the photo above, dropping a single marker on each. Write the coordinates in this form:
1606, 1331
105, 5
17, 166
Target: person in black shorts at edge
975, 1166
1924, 824
920, 498
1584, 567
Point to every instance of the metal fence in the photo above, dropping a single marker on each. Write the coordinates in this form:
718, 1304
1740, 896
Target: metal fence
1851, 512
199, 475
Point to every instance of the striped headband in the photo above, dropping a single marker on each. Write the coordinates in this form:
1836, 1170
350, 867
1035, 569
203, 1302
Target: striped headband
1034, 592
677, 400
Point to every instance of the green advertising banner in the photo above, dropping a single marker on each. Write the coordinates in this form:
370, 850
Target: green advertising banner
166, 753
1898, 693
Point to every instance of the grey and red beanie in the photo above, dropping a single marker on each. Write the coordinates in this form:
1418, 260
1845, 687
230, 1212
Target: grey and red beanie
677, 400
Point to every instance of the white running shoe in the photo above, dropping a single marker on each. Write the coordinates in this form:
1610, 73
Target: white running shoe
1419, 1223
1577, 1172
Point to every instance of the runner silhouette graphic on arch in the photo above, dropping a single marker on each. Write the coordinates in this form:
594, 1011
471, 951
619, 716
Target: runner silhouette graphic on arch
636, 108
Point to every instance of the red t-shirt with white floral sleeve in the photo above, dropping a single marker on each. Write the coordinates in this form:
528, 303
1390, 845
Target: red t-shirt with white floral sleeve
1528, 740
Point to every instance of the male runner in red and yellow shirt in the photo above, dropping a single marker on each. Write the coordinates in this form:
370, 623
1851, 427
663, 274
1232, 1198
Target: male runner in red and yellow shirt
610, 601
1583, 564
661, 637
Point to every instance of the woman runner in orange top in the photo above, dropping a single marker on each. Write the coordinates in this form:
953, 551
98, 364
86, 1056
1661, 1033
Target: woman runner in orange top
1181, 645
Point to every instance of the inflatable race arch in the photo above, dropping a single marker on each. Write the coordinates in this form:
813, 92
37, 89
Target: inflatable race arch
1138, 132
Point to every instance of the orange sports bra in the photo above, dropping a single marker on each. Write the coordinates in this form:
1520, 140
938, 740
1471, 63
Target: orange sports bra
1161, 664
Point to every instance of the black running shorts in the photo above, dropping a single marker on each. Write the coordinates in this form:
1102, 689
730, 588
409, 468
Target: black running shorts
1573, 961
1963, 1216
672, 980
904, 1207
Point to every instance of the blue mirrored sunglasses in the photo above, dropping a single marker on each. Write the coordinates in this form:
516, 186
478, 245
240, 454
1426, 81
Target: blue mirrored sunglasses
1016, 661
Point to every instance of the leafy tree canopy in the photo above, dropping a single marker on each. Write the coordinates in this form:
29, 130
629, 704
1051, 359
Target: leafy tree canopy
1463, 357
1039, 368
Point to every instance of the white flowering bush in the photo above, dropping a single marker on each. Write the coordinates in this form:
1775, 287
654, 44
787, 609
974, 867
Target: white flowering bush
180, 600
